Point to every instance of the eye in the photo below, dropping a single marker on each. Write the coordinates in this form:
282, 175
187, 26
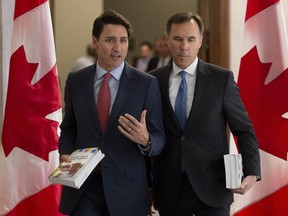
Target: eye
177, 39
124, 40
191, 39
109, 40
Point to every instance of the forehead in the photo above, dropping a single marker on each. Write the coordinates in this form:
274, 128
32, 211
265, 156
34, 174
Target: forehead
187, 28
114, 30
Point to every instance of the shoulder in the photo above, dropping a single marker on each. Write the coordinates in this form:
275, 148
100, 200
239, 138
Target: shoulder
83, 75
84, 71
213, 70
135, 73
160, 71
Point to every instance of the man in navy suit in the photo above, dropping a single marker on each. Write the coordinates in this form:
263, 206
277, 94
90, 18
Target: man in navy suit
134, 127
189, 175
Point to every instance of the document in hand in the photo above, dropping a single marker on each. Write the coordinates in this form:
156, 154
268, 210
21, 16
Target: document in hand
73, 174
233, 170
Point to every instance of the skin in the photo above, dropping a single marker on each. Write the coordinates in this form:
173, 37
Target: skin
145, 51
162, 48
112, 46
184, 42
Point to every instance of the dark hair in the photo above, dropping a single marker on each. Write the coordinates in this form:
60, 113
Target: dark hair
183, 17
146, 43
110, 17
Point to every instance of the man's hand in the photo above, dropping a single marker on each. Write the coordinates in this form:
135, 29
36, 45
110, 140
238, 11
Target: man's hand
133, 129
247, 183
65, 158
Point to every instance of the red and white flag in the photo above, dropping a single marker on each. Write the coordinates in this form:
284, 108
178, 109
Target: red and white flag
263, 82
32, 110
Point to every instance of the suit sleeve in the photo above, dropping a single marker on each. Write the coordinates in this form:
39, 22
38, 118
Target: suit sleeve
154, 118
241, 127
68, 125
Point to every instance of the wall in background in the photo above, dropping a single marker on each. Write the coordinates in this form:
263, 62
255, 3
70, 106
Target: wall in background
73, 21
148, 18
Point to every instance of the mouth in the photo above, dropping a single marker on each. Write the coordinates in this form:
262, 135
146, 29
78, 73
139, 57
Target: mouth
116, 56
183, 56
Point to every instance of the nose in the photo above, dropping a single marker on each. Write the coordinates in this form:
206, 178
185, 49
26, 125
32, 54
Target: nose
117, 46
184, 45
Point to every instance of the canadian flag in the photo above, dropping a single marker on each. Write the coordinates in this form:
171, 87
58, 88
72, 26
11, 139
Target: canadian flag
263, 82
32, 110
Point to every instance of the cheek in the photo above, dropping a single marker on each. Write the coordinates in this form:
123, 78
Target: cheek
172, 47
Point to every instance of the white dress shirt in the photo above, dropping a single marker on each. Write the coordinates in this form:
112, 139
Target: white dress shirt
175, 80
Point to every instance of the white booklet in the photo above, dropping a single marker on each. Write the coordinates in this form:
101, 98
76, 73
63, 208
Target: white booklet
233, 170
73, 174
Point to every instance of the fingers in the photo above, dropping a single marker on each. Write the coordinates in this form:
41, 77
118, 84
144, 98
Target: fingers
247, 184
125, 132
126, 123
133, 129
143, 117
65, 158
129, 123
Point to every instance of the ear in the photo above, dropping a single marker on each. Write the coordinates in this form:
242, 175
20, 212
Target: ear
94, 41
200, 41
167, 41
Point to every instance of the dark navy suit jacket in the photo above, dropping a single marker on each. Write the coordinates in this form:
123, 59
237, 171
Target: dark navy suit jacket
123, 168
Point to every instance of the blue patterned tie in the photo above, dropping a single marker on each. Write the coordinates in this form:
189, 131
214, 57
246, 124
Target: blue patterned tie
181, 101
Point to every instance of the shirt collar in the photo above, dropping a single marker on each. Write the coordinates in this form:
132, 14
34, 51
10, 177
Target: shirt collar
191, 69
116, 72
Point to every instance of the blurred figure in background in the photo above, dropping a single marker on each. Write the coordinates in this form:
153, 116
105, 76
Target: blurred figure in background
145, 54
88, 59
163, 55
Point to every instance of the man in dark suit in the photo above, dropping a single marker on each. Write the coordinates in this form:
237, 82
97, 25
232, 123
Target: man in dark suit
134, 127
189, 175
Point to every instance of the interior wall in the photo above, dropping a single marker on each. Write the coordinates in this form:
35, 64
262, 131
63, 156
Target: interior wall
148, 19
73, 21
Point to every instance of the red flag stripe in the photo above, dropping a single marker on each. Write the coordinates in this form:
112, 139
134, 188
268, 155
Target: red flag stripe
24, 185
266, 101
255, 6
22, 8
275, 204
34, 205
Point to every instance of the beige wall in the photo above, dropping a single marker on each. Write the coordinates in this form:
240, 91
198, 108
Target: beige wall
148, 17
73, 20
73, 23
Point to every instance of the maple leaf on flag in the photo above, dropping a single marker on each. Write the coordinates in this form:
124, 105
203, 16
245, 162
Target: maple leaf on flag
25, 125
265, 104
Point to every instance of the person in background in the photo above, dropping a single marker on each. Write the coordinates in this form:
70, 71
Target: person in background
113, 106
199, 101
163, 56
145, 54
88, 59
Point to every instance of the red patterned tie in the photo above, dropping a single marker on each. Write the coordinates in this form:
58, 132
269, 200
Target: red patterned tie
103, 102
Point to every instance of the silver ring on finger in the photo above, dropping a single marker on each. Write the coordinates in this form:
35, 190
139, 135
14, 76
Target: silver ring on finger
129, 130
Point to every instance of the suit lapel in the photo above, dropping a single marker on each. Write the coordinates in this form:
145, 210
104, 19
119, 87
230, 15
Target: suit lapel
163, 80
201, 87
125, 88
91, 97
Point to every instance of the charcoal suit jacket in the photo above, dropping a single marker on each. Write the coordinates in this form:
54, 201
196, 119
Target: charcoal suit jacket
199, 148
